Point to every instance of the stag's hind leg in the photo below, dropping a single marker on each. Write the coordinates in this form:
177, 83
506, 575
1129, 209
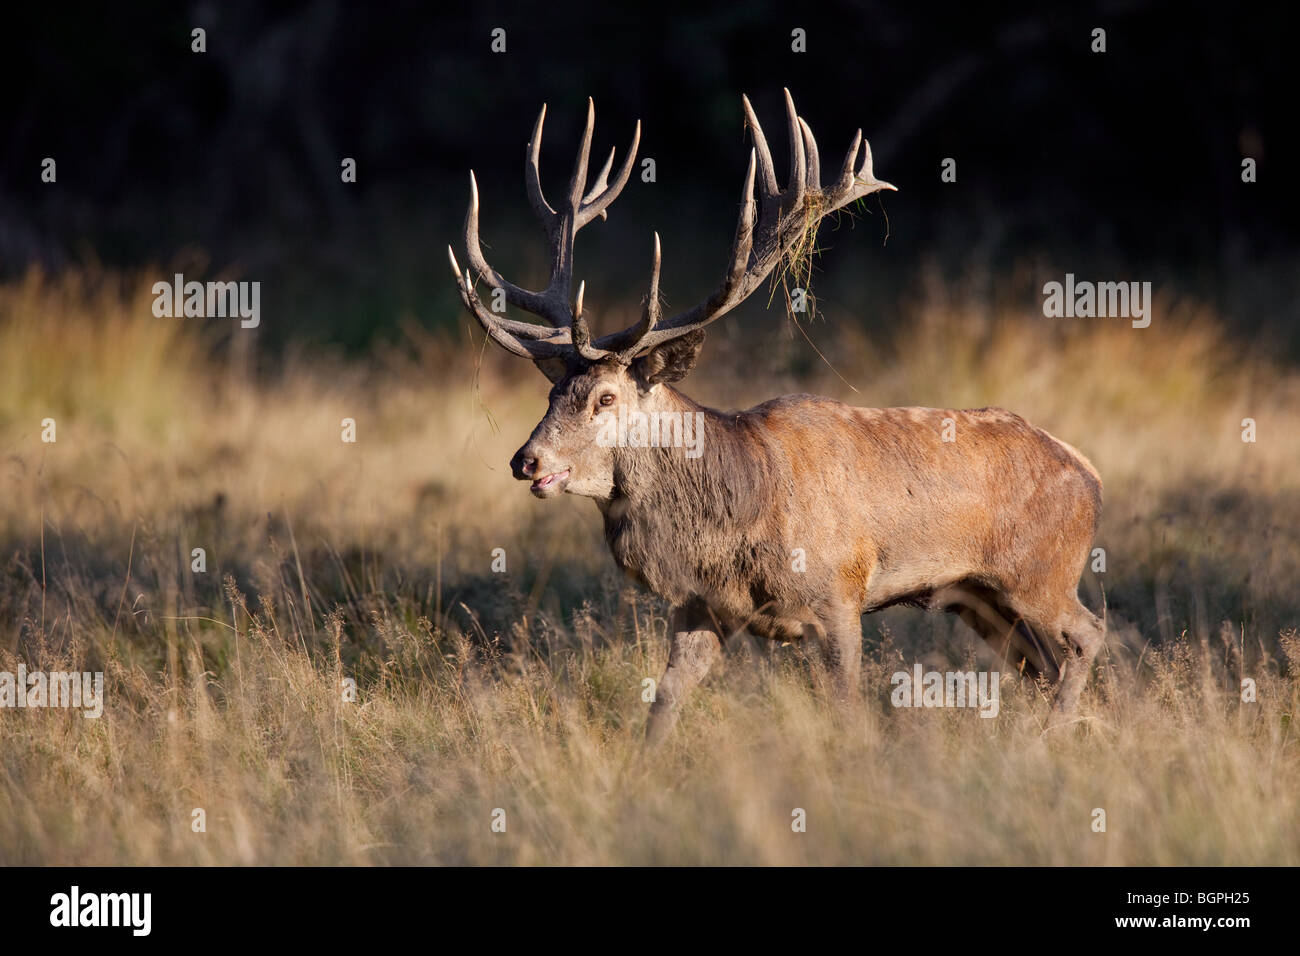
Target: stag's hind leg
696, 644
1011, 636
1083, 636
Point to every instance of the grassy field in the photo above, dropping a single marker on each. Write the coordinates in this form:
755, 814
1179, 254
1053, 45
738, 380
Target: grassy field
476, 691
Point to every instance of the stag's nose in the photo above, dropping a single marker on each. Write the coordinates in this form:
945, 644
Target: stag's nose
523, 464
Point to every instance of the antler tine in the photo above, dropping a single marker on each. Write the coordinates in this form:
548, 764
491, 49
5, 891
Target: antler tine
797, 185
538, 303
743, 243
741, 248
581, 333
766, 170
533, 175
521, 338
651, 312
602, 195
867, 174
578, 184
814, 159
601, 179
627, 342
862, 182
845, 180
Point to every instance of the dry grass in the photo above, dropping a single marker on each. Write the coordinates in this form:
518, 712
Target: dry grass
523, 691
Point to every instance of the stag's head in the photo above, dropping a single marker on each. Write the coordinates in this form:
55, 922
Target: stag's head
594, 377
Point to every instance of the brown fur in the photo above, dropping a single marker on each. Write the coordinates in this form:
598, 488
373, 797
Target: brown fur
995, 526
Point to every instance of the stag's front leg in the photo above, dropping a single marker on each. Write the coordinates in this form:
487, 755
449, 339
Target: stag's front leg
840, 637
696, 644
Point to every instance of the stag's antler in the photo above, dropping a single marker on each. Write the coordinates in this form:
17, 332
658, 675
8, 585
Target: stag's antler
785, 218
579, 208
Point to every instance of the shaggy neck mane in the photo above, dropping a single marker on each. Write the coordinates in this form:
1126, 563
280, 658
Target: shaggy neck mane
670, 512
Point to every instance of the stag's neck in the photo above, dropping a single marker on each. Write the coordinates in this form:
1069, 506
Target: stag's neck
673, 506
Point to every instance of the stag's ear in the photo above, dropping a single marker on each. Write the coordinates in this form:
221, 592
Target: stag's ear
553, 368
669, 362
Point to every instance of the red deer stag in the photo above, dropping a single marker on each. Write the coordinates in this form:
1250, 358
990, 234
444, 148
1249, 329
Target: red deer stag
994, 524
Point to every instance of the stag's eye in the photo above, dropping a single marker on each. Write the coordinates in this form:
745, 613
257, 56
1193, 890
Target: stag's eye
607, 398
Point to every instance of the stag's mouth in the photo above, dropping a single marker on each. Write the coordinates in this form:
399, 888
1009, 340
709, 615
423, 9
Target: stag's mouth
551, 484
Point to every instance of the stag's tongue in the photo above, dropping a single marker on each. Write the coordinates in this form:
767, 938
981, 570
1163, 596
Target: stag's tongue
550, 479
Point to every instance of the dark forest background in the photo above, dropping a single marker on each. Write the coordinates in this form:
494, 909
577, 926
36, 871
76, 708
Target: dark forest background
1122, 165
